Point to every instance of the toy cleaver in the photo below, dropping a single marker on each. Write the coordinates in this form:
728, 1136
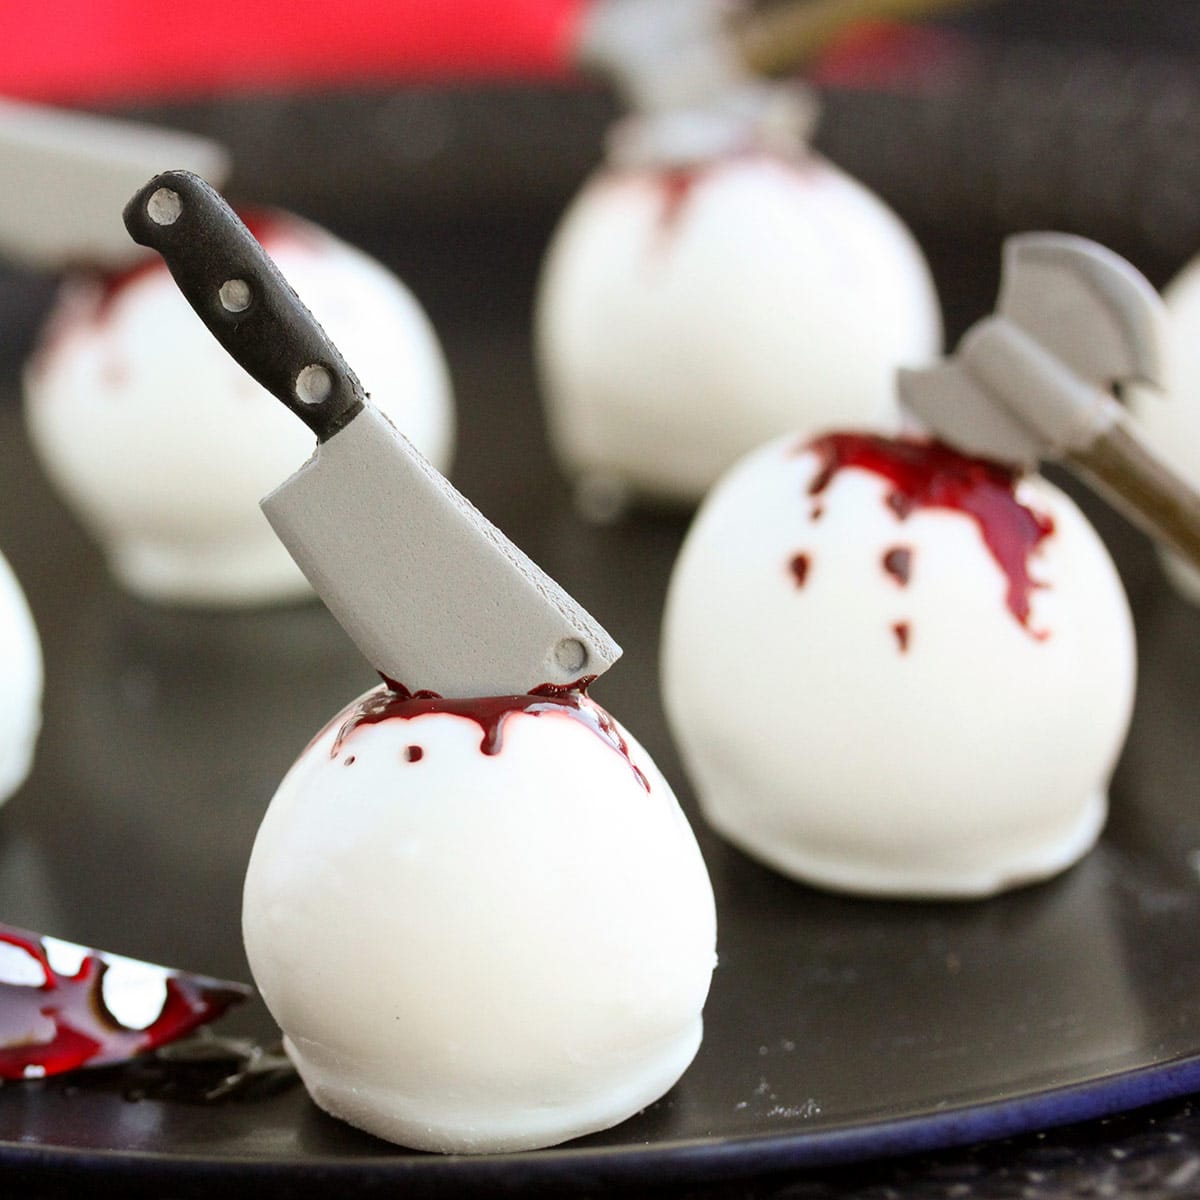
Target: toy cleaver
432, 593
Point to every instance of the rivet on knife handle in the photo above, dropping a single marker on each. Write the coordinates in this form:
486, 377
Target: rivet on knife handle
248, 306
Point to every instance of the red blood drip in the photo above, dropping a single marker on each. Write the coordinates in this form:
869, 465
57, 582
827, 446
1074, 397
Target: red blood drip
897, 562
799, 567
677, 185
932, 475
414, 753
901, 629
64, 1023
490, 713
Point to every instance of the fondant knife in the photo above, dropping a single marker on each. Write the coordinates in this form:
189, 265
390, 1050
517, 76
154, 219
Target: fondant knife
431, 592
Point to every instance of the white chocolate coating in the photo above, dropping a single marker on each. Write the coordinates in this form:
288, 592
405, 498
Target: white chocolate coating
164, 446
20, 684
970, 758
676, 332
1171, 420
478, 953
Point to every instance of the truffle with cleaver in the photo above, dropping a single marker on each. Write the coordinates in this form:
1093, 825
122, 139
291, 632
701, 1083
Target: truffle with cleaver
432, 593
1035, 380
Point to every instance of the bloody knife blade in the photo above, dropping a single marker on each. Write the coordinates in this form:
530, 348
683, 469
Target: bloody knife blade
64, 1006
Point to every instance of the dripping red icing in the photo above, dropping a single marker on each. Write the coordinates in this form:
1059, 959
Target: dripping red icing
799, 567
677, 185
64, 1023
902, 629
932, 475
413, 753
490, 713
897, 562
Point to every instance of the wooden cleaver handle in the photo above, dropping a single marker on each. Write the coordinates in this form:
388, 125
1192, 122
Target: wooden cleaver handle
239, 293
1139, 483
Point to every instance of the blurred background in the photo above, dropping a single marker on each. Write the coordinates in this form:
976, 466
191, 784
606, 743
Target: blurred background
452, 153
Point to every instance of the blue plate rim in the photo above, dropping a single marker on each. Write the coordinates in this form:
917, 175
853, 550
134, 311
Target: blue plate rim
695, 1161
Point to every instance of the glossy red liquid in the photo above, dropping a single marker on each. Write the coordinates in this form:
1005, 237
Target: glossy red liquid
799, 566
925, 475
74, 1028
490, 713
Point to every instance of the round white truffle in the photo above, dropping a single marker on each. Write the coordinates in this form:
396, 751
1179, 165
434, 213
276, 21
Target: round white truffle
1171, 420
20, 684
482, 925
896, 671
164, 446
686, 314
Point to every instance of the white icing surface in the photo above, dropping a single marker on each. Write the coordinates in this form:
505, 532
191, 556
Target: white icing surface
478, 953
20, 684
164, 446
975, 760
1171, 420
779, 296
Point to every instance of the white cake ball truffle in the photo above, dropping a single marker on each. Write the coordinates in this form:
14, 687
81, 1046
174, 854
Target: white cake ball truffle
164, 446
483, 925
1171, 420
20, 684
688, 313
897, 671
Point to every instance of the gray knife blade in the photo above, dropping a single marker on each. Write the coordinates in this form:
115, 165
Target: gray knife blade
67, 174
431, 592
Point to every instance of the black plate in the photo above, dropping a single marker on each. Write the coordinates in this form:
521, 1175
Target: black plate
836, 1030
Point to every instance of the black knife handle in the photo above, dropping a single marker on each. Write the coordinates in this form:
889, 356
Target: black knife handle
239, 293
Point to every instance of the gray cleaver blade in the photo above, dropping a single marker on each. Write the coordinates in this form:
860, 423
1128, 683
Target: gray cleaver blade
432, 593
453, 605
67, 174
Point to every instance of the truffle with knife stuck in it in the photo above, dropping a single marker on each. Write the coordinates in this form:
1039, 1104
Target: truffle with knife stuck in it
474, 905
